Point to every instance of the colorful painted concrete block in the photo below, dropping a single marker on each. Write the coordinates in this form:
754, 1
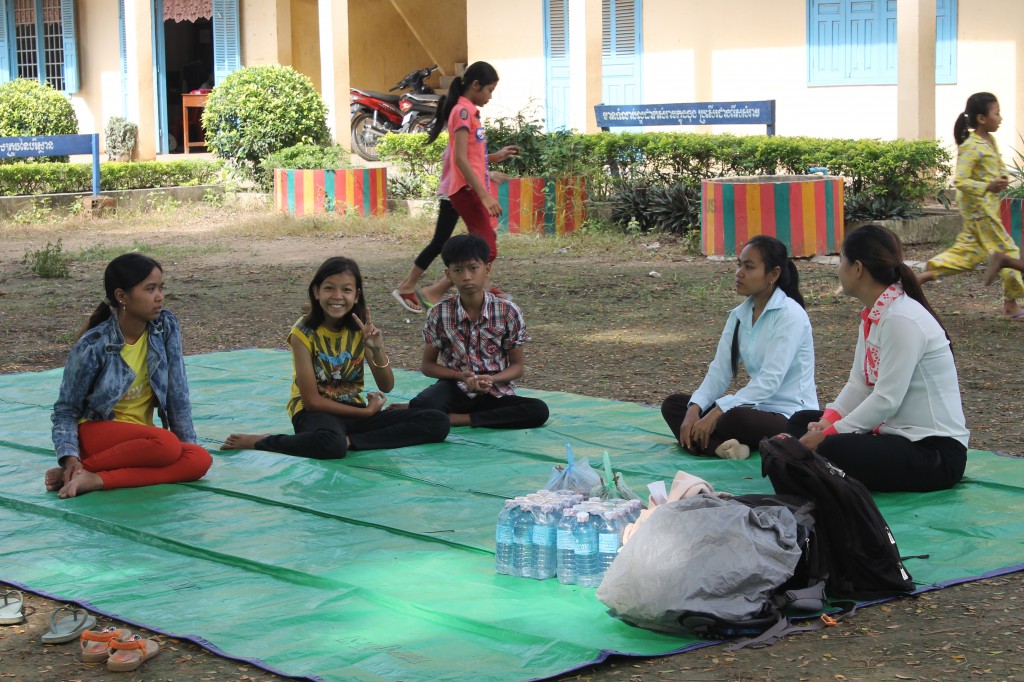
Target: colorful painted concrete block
541, 205
1012, 213
362, 191
805, 212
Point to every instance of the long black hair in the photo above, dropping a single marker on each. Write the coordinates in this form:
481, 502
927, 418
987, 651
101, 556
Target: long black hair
977, 105
482, 72
774, 254
125, 273
880, 252
330, 267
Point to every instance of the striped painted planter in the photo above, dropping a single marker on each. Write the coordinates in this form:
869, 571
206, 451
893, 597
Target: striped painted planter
805, 212
1012, 213
541, 205
362, 191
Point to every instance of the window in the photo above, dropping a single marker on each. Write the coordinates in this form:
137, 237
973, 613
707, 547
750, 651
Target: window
37, 41
853, 42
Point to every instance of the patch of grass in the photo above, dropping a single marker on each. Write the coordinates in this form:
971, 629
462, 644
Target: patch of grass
107, 252
50, 261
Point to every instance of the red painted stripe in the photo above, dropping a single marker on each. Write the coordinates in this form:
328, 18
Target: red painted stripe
299, 190
767, 209
796, 218
358, 189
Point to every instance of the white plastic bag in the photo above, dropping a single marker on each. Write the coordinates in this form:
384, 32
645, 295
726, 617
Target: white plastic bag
577, 476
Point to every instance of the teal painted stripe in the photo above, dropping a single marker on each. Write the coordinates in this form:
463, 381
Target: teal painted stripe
729, 217
290, 184
330, 200
550, 208
1016, 218
504, 203
783, 223
366, 193
830, 215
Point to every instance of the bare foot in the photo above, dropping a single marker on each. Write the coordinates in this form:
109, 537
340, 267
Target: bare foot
397, 406
996, 262
1013, 311
54, 478
242, 441
927, 276
81, 483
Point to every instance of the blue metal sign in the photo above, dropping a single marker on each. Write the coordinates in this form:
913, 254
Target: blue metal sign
688, 114
55, 145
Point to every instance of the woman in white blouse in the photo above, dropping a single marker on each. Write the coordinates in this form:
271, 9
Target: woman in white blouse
770, 334
898, 424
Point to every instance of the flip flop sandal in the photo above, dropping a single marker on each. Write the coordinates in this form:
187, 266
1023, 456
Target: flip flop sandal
95, 644
407, 301
68, 627
11, 611
129, 654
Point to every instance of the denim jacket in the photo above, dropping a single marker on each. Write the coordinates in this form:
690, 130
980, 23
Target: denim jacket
96, 377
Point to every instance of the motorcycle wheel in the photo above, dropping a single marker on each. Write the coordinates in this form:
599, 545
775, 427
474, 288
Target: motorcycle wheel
422, 125
365, 136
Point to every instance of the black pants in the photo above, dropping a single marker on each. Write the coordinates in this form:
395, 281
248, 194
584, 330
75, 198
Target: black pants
485, 411
745, 424
447, 218
889, 463
323, 436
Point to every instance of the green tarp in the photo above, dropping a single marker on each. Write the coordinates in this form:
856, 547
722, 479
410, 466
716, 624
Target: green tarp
380, 566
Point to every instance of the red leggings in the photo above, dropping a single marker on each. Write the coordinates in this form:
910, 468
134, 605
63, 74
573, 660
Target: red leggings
132, 455
478, 220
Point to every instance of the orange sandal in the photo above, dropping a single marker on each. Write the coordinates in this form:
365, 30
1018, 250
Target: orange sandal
129, 654
95, 643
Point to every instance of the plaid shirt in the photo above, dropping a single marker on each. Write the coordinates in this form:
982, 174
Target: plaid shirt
481, 347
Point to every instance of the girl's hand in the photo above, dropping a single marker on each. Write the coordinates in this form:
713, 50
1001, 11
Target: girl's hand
373, 338
492, 205
375, 402
812, 439
72, 465
686, 430
819, 425
702, 430
506, 152
998, 185
499, 177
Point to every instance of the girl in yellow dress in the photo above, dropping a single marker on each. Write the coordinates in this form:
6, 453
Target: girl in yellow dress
979, 180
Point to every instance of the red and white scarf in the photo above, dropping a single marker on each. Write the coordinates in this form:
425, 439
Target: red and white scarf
870, 317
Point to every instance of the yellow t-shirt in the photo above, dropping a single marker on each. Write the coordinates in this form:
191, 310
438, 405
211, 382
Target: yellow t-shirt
136, 405
337, 362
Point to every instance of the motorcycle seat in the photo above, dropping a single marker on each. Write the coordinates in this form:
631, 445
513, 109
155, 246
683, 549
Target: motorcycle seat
423, 98
393, 99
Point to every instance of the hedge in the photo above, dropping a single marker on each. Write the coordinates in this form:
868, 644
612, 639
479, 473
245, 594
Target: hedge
59, 178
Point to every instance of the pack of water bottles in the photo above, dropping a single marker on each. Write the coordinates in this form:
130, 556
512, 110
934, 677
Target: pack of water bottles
557, 533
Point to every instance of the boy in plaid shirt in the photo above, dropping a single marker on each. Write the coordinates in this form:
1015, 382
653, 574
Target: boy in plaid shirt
474, 348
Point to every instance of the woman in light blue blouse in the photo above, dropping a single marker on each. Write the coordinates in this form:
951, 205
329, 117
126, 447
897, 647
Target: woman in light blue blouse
771, 335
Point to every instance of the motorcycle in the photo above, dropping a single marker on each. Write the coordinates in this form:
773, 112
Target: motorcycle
375, 114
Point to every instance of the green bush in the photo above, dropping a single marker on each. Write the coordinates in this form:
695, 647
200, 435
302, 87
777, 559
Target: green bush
49, 262
259, 110
55, 178
302, 157
120, 136
418, 164
28, 107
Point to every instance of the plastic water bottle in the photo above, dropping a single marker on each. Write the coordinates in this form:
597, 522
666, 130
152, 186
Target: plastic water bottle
544, 542
566, 541
609, 540
588, 571
522, 543
503, 538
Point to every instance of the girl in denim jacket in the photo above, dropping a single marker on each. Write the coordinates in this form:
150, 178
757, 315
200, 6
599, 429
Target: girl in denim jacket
126, 362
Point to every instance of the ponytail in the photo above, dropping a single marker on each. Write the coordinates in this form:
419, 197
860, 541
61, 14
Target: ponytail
102, 313
977, 105
481, 72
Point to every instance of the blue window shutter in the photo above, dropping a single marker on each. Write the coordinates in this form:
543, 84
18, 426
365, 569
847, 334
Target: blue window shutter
5, 42
67, 17
945, 41
227, 53
556, 57
826, 20
865, 41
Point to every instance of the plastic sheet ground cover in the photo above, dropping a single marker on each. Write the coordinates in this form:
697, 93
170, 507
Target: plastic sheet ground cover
380, 566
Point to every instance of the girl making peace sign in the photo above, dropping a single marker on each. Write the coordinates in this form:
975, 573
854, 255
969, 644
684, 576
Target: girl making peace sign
330, 347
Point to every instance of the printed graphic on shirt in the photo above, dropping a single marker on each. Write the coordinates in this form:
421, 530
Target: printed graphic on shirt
337, 363
479, 134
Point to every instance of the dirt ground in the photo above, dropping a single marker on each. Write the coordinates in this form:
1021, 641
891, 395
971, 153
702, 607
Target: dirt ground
624, 318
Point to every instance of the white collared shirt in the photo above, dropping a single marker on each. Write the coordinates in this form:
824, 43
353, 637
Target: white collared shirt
778, 354
917, 393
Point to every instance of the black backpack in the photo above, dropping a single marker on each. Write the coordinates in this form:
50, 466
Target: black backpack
862, 559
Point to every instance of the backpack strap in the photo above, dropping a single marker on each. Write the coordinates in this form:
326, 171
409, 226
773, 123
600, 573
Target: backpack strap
810, 598
786, 627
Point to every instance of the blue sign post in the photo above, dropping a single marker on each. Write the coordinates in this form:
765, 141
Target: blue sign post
55, 145
687, 114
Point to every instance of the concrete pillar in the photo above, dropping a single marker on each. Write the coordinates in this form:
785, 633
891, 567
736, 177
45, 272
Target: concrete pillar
594, 68
138, 19
266, 32
334, 68
915, 73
